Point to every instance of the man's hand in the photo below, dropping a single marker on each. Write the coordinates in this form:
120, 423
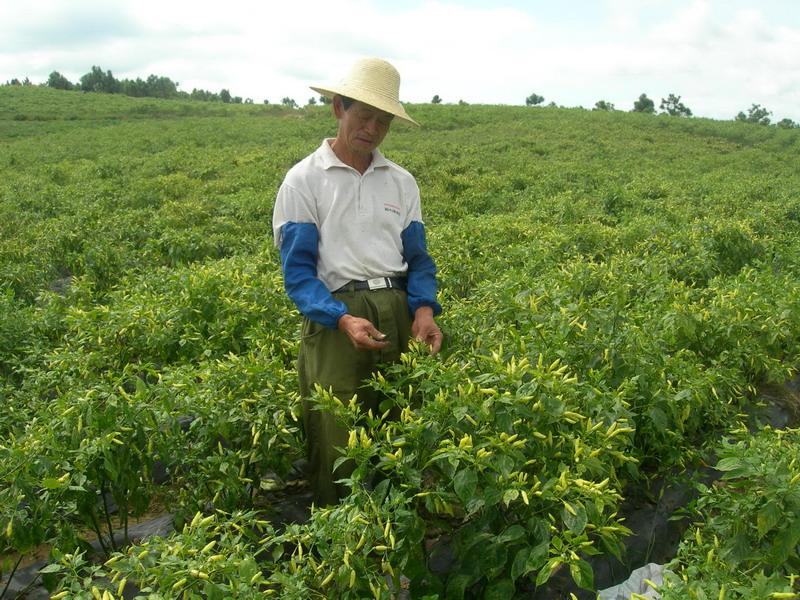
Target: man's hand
425, 329
362, 333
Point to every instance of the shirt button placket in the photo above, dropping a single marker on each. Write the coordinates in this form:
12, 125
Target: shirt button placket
362, 208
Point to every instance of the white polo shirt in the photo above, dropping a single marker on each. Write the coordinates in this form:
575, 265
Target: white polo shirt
359, 217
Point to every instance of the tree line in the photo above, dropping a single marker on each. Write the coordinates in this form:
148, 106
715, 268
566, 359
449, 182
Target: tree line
155, 86
672, 106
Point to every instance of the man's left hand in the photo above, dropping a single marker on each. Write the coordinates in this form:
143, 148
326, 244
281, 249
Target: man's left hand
424, 329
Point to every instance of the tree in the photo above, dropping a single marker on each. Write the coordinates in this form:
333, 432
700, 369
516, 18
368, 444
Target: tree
135, 87
161, 87
755, 114
787, 124
57, 81
325, 100
98, 81
312, 101
225, 96
204, 95
289, 102
644, 105
673, 106
603, 105
534, 99
436, 99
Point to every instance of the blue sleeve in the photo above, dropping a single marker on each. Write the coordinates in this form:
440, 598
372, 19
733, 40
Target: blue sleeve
421, 270
299, 250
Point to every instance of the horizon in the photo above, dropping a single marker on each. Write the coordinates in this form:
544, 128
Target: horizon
719, 57
185, 95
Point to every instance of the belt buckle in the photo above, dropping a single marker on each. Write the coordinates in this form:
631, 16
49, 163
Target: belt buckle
378, 283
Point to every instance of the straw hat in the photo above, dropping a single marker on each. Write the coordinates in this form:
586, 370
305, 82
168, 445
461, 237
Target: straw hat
373, 81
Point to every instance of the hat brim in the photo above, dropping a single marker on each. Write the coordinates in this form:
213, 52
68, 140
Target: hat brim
379, 101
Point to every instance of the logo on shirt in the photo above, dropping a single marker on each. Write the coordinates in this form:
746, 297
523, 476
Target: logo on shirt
392, 208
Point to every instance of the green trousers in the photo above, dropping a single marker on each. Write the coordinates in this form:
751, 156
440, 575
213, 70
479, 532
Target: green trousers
327, 357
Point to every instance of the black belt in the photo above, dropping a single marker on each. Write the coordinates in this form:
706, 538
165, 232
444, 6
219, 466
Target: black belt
378, 283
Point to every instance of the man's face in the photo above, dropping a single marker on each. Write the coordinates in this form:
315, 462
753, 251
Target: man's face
362, 127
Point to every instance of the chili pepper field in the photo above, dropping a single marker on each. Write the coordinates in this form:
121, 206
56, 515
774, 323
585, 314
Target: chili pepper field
617, 287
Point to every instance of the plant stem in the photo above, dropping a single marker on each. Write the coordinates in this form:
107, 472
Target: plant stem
108, 515
11, 576
123, 515
96, 528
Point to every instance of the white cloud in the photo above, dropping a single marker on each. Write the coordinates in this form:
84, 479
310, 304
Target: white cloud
720, 56
692, 26
471, 53
724, 63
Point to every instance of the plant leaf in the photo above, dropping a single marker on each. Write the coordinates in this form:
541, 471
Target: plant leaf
552, 565
51, 568
500, 590
582, 574
576, 523
769, 516
511, 534
465, 483
520, 561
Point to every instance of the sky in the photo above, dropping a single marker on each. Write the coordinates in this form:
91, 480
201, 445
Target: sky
720, 56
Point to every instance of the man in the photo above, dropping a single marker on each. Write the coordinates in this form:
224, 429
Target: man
352, 243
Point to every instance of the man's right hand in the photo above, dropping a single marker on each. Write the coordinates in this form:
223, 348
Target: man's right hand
362, 333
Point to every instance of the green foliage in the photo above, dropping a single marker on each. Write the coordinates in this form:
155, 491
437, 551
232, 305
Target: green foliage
644, 105
603, 105
58, 81
673, 106
509, 460
206, 96
534, 100
153, 87
214, 557
436, 99
756, 114
98, 81
748, 529
610, 306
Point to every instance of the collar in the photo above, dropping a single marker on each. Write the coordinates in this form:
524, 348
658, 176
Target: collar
329, 158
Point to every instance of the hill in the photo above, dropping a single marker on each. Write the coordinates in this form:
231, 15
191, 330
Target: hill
615, 286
